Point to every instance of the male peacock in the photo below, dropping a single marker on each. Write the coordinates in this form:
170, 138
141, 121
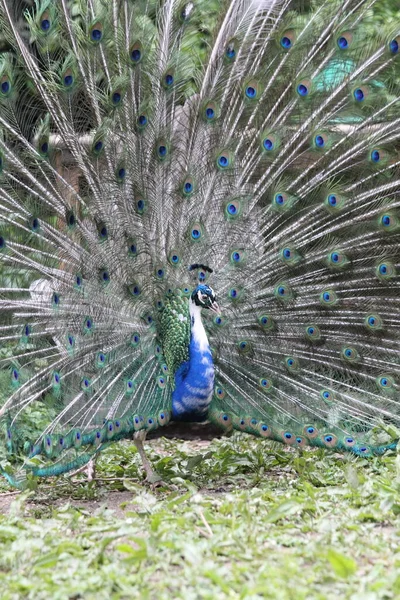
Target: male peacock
144, 177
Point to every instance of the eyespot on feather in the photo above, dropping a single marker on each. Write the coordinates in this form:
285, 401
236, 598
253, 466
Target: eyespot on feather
232, 209
350, 354
136, 53
283, 292
373, 322
310, 432
304, 88
292, 364
344, 40
328, 298
313, 333
266, 322
231, 50
287, 39
330, 440
252, 90
394, 46
385, 270
96, 32
224, 160
288, 438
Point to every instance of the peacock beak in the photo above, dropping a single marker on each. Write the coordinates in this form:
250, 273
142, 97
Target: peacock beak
215, 308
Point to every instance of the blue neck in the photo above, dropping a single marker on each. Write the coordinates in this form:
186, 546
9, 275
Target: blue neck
194, 380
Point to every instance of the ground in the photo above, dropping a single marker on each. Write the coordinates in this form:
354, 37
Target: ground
241, 519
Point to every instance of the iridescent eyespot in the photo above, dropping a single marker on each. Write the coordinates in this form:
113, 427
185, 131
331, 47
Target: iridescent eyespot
359, 95
68, 80
5, 87
265, 384
44, 147
140, 205
328, 298
220, 392
70, 218
135, 339
394, 45
88, 324
268, 144
350, 354
233, 293
96, 35
45, 23
210, 113
302, 89
344, 41
135, 53
286, 42
129, 386
385, 382
292, 364
85, 383
375, 156
251, 92
230, 52
105, 276
98, 146
55, 299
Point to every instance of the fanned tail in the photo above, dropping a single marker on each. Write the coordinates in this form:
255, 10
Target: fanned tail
126, 157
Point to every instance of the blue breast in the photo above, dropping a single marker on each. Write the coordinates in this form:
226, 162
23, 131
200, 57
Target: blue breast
194, 384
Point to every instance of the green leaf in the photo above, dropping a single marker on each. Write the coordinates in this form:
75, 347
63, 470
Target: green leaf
344, 566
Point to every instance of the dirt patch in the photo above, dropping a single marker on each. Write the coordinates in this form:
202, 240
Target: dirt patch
117, 502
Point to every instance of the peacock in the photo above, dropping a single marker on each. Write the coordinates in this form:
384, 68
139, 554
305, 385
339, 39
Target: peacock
199, 221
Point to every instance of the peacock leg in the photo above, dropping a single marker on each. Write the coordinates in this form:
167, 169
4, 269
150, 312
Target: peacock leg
89, 468
151, 476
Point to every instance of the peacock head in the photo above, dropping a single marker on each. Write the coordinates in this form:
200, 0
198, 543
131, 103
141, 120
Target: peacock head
204, 296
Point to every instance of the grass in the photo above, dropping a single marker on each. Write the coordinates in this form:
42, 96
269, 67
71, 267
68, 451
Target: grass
246, 519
